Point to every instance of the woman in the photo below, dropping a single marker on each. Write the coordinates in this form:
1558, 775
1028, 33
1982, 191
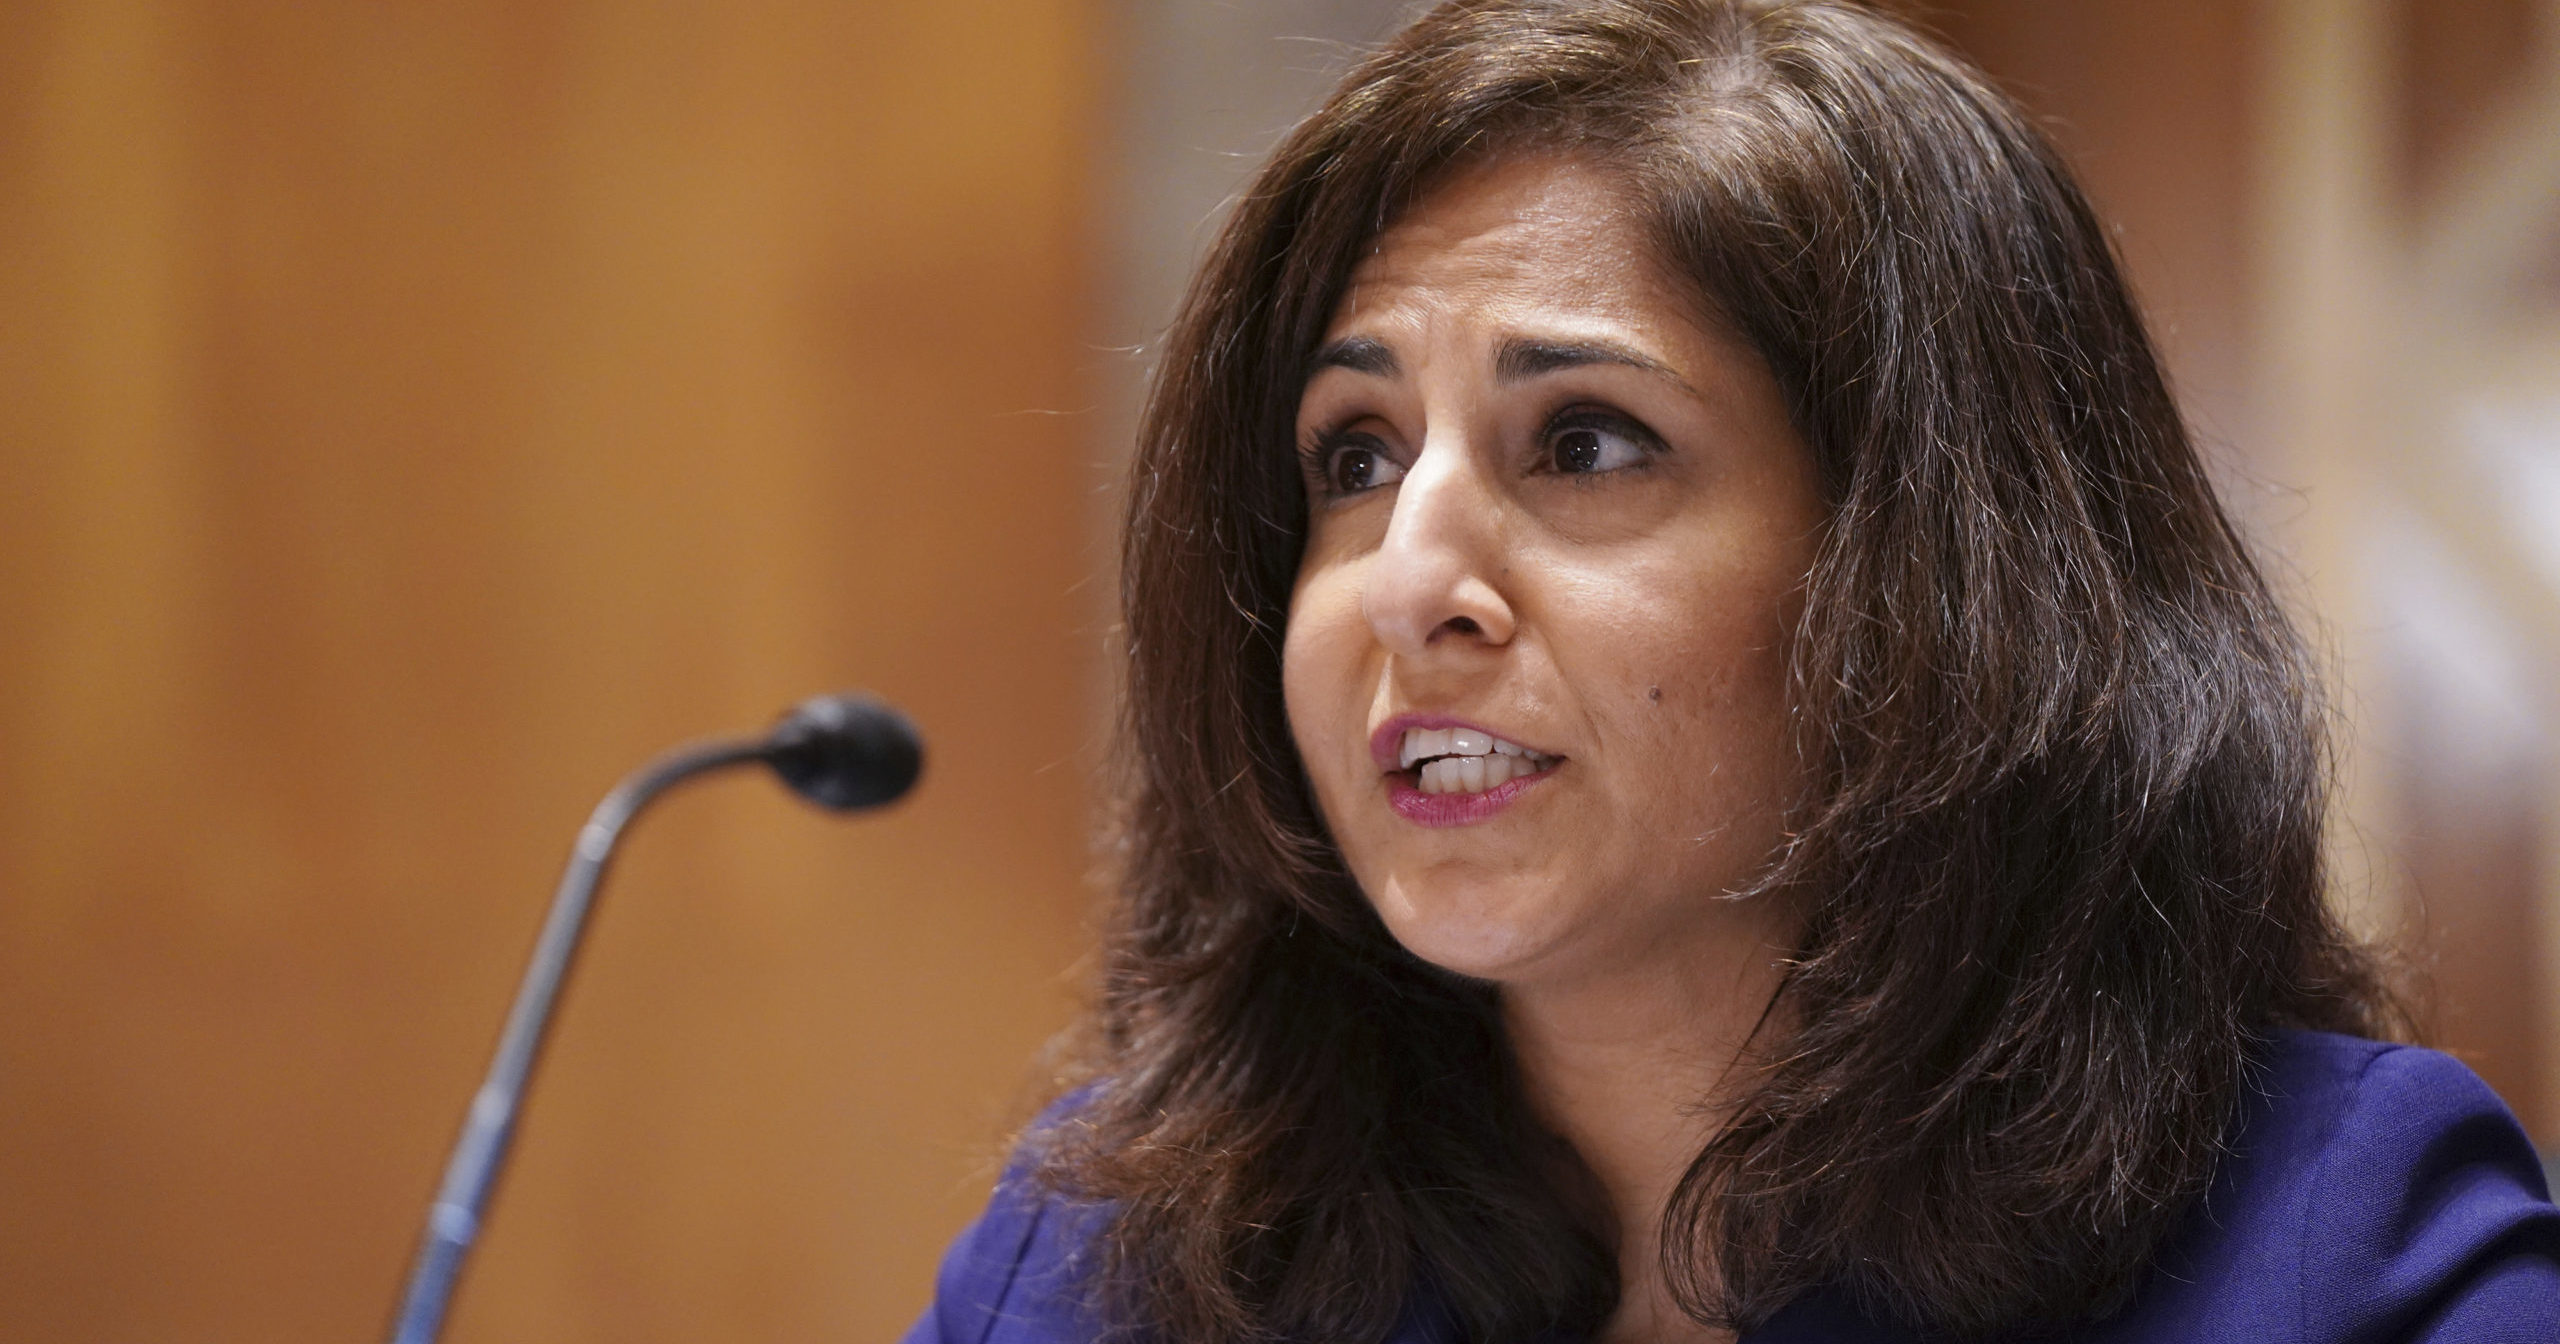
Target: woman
1704, 760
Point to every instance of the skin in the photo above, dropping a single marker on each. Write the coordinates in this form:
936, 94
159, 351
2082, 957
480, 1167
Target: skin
1599, 555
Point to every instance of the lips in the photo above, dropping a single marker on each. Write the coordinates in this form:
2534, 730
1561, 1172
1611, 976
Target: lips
1444, 771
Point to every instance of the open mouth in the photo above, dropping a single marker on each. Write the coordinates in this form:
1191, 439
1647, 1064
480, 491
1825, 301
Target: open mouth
1464, 760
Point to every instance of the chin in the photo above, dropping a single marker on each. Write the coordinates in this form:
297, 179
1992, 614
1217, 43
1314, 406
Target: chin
1475, 933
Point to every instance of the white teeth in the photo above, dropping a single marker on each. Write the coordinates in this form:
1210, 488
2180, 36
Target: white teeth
1421, 744
1473, 773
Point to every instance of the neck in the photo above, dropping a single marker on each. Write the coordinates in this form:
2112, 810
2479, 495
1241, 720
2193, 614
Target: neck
1637, 1068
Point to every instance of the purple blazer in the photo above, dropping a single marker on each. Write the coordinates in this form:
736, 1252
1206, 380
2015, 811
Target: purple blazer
2373, 1193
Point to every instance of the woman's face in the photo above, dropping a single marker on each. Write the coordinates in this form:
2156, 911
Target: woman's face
1558, 531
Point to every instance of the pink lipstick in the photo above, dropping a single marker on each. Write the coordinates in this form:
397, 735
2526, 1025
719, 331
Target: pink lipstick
1447, 803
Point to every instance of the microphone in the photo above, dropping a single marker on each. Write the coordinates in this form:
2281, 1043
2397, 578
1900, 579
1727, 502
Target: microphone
843, 752
846, 752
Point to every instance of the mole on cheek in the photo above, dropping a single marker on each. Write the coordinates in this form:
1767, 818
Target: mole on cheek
1653, 693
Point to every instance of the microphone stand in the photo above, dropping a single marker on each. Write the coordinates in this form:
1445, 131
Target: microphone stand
838, 751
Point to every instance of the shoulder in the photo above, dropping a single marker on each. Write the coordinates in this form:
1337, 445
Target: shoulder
1018, 1274
2372, 1192
1022, 1273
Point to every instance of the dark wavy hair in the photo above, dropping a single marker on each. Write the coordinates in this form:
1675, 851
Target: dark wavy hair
2062, 859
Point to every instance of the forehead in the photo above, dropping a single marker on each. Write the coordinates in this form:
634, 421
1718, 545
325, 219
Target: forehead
1546, 235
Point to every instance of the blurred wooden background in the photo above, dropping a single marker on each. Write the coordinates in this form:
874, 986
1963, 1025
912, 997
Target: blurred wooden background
415, 415
412, 416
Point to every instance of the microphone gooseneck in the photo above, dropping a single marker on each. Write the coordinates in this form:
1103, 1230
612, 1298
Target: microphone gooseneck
843, 752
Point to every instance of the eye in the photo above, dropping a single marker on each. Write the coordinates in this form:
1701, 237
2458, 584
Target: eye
1347, 463
1588, 442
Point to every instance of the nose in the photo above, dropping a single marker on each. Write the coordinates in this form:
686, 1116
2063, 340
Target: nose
1432, 578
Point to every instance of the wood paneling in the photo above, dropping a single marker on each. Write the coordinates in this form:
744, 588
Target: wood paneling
2152, 101
413, 416
2458, 68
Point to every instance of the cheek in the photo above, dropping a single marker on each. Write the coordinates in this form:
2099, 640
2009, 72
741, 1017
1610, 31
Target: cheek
1320, 661
1697, 704
1724, 728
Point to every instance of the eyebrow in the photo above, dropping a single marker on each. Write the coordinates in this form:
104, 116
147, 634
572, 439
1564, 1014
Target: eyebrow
1519, 358
1522, 358
1360, 354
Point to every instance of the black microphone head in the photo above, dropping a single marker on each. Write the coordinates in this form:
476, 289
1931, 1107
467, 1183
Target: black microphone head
846, 752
